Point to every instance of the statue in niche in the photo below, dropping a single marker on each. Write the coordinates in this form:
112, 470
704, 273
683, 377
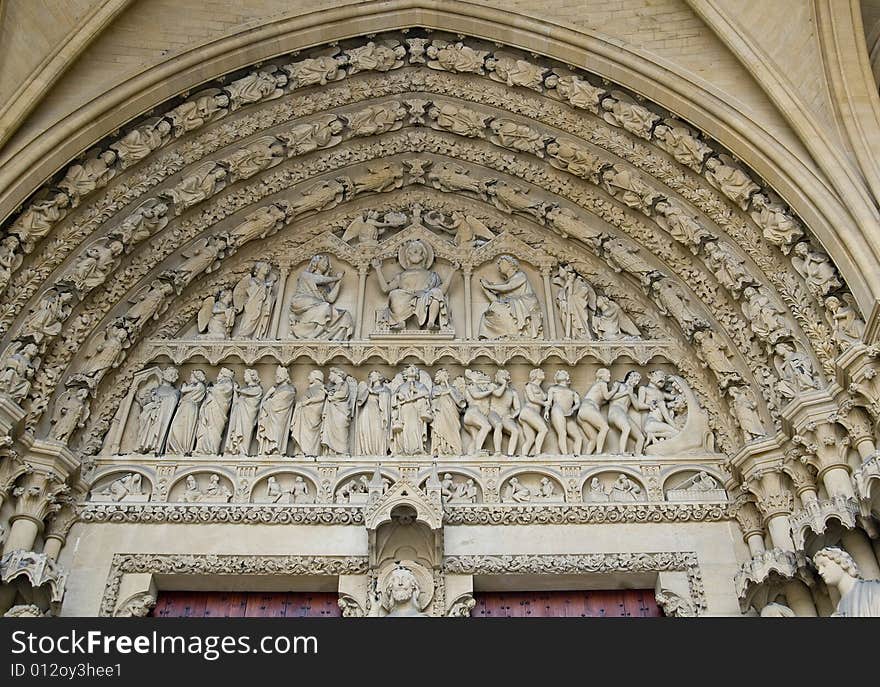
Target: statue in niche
579, 92
246, 400
322, 195
312, 313
375, 57
561, 411
515, 136
410, 414
338, 412
217, 316
447, 402
730, 269
93, 173
121, 488
182, 435
465, 229
612, 323
766, 318
516, 492
683, 144
725, 175
459, 120
455, 57
316, 71
745, 410
623, 112
531, 416
451, 177
478, 389
625, 398
399, 596
624, 257
38, 218
71, 411
198, 111
204, 181
684, 228
796, 371
148, 219
141, 141
103, 354
214, 413
514, 310
258, 224
416, 292
624, 489
575, 299
777, 225
597, 493
254, 87
513, 199
19, 366
148, 304
713, 352
675, 302
305, 423
589, 415
846, 325
276, 412
629, 188
93, 267
569, 155
256, 157
203, 256
254, 296
158, 404
859, 598
465, 492
816, 269
47, 318
374, 416
504, 408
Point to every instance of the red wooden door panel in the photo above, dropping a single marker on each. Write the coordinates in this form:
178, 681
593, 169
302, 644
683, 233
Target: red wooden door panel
618, 603
182, 604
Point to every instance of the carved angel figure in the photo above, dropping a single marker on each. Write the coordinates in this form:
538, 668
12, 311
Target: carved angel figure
148, 303
71, 410
569, 155
730, 268
684, 228
561, 410
204, 181
778, 226
324, 132
447, 402
611, 322
450, 177
378, 178
567, 223
514, 310
323, 195
765, 316
103, 354
847, 326
276, 412
511, 199
724, 174
38, 218
629, 189
254, 296
313, 314
202, 108
816, 269
745, 410
182, 435
459, 120
515, 136
416, 292
577, 91
466, 230
624, 257
256, 157
10, 259
93, 267
455, 58
715, 357
367, 228
338, 413
374, 416
246, 400
19, 364
148, 219
516, 72
307, 418
575, 300
203, 256
381, 57
93, 173
796, 371
216, 316
141, 141
374, 120
410, 413
316, 71
258, 224
214, 413
675, 302
622, 112
256, 86
682, 143
47, 317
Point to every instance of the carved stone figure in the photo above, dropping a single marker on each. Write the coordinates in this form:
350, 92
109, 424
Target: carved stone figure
512, 199
566, 154
276, 412
724, 174
745, 410
399, 597
256, 157
765, 316
676, 303
714, 354
19, 365
312, 313
624, 257
730, 269
93, 173
478, 390
514, 310
624, 489
531, 416
859, 598
417, 292
305, 424
104, 353
300, 491
515, 72
374, 416
522, 138
122, 488
684, 228
624, 113
611, 322
93, 267
816, 269
777, 225
410, 414
459, 120
338, 412
315, 71
246, 399
575, 301
217, 316
47, 318
516, 492
323, 195
141, 141
71, 411
847, 326
203, 256
216, 492
629, 188
204, 181
568, 224
623, 399
455, 58
589, 415
10, 259
214, 413
377, 119
466, 230
193, 493
375, 57
682, 143
38, 218
254, 296
465, 492
148, 219
547, 489
157, 410
561, 410
579, 92
447, 403
324, 132
451, 177
256, 86
597, 493
702, 481
378, 178
366, 229
182, 435
796, 371
202, 108
504, 409
148, 304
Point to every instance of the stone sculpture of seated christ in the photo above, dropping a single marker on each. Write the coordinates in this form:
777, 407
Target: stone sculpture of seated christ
417, 293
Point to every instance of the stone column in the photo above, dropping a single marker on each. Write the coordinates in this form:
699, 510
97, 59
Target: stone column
799, 599
828, 454
548, 297
749, 519
468, 302
362, 270
279, 303
774, 500
859, 426
35, 498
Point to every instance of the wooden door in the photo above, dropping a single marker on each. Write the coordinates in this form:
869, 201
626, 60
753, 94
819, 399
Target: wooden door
182, 604
636, 603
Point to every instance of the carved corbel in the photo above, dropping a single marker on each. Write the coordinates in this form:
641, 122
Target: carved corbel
138, 594
857, 371
349, 606
462, 606
673, 595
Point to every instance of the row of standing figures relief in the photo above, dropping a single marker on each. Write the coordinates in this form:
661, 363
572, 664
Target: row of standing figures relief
408, 415
415, 299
